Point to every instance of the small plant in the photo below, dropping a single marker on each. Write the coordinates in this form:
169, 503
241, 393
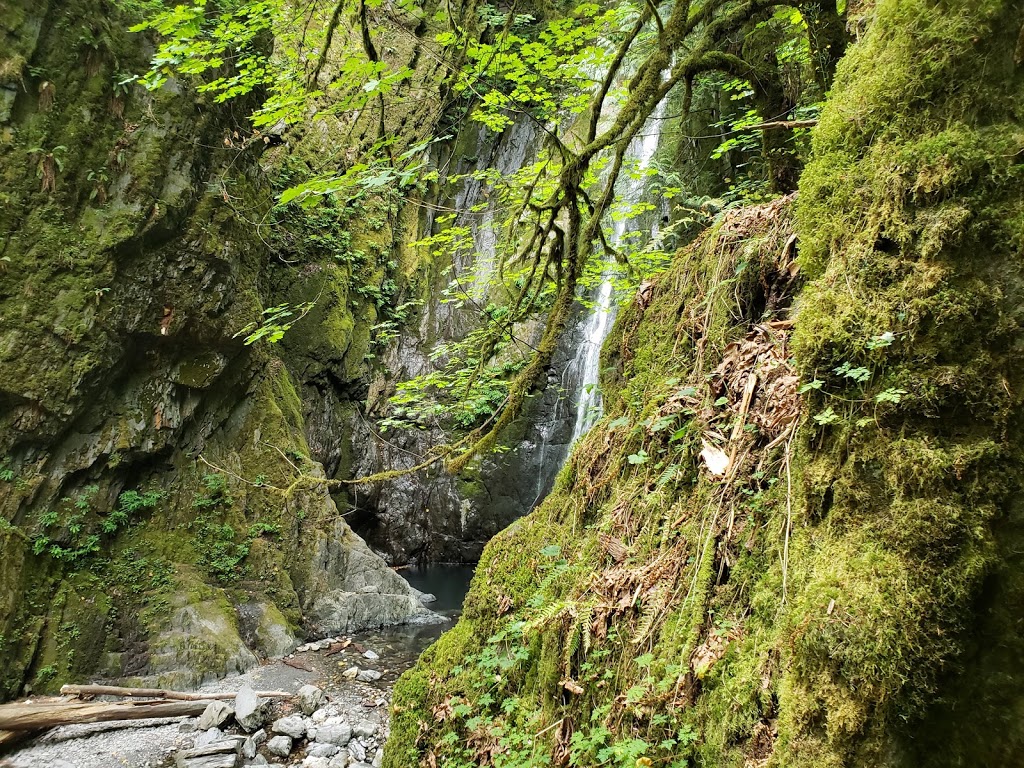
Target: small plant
99, 180
49, 164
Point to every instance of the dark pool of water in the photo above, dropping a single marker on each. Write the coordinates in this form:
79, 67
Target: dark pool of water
400, 646
448, 583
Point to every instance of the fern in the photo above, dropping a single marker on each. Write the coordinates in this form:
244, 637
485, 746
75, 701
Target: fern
651, 613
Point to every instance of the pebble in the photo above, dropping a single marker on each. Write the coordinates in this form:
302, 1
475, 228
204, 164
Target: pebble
368, 675
371, 655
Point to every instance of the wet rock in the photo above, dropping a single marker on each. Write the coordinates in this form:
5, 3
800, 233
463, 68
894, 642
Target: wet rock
293, 726
368, 675
338, 734
280, 746
310, 699
250, 710
215, 715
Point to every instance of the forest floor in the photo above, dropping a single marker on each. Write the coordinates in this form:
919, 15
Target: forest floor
327, 664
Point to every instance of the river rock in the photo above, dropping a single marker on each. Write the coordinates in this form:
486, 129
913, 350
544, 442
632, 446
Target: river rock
338, 734
280, 746
208, 737
371, 655
357, 750
322, 714
220, 754
322, 750
251, 744
364, 730
258, 760
340, 760
293, 726
378, 759
215, 715
311, 699
368, 675
250, 710
315, 762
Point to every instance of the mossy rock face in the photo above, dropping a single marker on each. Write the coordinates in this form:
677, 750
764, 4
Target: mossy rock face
850, 595
124, 284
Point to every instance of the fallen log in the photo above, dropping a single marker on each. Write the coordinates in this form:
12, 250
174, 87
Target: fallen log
36, 717
159, 693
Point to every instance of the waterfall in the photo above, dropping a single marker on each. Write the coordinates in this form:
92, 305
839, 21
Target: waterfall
599, 320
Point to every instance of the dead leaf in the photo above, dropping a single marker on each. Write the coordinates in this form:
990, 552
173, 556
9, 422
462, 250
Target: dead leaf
715, 459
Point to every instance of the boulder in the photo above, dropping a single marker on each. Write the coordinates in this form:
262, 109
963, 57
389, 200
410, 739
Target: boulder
310, 699
280, 746
215, 715
338, 734
292, 725
250, 710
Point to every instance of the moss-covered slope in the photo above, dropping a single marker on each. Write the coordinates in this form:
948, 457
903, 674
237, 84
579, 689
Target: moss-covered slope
735, 572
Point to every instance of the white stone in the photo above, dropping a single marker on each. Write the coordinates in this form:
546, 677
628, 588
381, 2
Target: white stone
315, 762
371, 655
280, 746
368, 675
338, 734
364, 730
350, 673
293, 726
357, 750
322, 750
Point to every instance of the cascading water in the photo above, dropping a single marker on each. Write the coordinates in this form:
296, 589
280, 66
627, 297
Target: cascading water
602, 313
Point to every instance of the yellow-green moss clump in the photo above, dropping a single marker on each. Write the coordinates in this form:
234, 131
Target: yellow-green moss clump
850, 592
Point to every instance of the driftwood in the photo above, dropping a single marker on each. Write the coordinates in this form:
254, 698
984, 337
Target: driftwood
50, 714
159, 693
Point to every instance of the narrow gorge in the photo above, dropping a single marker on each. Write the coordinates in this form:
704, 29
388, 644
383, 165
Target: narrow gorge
691, 329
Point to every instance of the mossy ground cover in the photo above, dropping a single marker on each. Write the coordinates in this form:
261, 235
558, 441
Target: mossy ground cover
845, 595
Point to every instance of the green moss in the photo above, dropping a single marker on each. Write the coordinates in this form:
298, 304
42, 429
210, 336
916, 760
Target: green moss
829, 607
